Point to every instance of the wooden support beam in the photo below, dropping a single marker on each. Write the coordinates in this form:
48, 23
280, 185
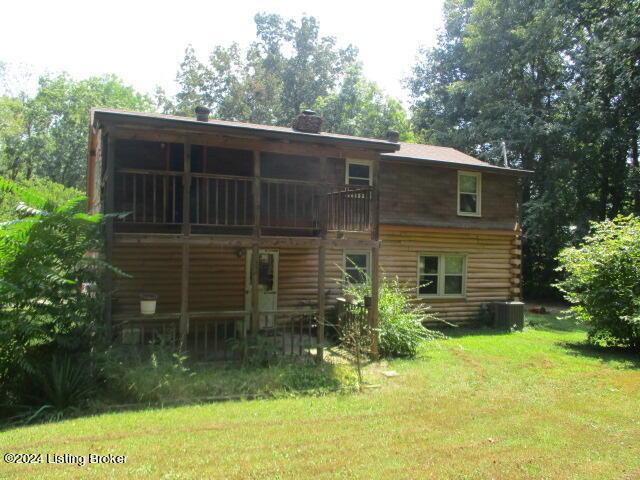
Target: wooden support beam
186, 232
375, 258
322, 260
256, 194
255, 250
108, 182
243, 242
255, 290
375, 294
322, 256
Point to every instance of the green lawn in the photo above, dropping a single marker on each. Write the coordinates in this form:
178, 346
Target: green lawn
534, 404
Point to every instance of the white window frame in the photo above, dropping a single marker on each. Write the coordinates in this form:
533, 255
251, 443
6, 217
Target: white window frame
478, 176
441, 275
358, 162
367, 253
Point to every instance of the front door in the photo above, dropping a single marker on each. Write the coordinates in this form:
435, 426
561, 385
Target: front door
267, 284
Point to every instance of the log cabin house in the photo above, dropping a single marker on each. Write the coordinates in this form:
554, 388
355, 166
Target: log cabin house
242, 229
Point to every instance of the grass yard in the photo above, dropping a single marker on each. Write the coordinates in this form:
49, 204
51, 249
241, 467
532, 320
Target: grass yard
534, 404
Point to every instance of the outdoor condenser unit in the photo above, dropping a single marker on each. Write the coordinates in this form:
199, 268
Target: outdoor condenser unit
508, 315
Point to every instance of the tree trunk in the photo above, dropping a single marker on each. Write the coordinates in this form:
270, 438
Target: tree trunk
636, 166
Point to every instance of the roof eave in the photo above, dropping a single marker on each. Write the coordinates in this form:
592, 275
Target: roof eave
459, 166
114, 116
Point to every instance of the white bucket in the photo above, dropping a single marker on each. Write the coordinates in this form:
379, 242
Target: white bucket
147, 307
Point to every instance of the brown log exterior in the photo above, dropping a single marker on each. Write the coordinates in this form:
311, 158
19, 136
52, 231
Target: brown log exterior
489, 272
199, 199
217, 274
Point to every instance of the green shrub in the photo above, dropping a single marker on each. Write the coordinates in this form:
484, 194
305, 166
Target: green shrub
401, 319
602, 281
47, 306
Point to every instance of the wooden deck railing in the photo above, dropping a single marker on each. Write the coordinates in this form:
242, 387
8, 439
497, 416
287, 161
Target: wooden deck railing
149, 196
290, 204
289, 333
220, 335
349, 209
221, 200
155, 197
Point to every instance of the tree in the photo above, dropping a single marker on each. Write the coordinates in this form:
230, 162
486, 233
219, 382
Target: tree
359, 107
284, 70
46, 135
289, 67
556, 82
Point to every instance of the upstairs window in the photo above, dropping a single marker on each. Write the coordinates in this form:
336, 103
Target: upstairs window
356, 266
358, 173
469, 189
441, 275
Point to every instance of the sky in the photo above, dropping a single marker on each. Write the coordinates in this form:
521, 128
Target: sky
143, 41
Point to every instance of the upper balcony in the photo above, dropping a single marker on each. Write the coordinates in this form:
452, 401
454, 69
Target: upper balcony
221, 189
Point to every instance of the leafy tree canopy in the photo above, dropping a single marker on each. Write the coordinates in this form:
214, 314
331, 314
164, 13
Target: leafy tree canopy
290, 66
557, 83
46, 135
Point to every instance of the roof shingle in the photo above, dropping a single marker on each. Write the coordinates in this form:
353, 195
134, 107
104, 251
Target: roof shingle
447, 156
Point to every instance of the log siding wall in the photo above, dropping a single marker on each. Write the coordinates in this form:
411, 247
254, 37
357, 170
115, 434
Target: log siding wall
216, 277
490, 270
217, 274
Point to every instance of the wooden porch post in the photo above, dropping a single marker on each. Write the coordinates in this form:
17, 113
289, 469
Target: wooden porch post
186, 232
255, 251
375, 259
322, 257
108, 208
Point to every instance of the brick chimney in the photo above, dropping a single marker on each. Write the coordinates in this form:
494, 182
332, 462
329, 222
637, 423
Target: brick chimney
393, 136
202, 114
308, 121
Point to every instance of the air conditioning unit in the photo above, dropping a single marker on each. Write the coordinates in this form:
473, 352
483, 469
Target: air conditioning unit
508, 315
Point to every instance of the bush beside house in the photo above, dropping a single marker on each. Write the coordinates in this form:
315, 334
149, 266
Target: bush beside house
602, 281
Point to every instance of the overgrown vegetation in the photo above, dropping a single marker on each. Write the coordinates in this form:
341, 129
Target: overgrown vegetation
158, 376
48, 303
602, 281
401, 320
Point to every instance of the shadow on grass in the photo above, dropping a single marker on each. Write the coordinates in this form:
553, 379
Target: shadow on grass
547, 322
466, 331
550, 322
625, 357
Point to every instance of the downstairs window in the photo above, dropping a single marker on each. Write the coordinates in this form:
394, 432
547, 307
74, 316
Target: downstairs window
441, 275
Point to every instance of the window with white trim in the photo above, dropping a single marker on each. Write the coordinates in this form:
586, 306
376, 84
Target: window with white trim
356, 266
469, 193
358, 173
441, 275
